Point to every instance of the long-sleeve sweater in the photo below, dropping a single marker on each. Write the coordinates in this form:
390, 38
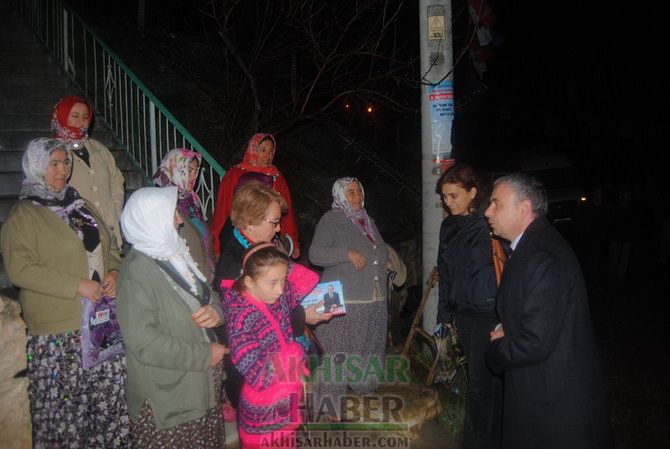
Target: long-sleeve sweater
253, 342
335, 234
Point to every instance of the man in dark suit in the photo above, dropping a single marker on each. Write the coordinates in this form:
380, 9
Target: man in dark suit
331, 300
554, 391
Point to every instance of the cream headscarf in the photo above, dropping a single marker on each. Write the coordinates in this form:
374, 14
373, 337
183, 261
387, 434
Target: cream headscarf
147, 221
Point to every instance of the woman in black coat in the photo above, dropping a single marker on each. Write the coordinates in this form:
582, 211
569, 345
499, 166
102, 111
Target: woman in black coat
467, 290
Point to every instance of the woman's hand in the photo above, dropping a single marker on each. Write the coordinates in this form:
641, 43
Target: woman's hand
109, 284
356, 259
218, 351
296, 253
89, 289
313, 317
497, 333
206, 316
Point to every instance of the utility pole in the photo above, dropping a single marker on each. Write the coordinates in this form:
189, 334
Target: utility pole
437, 114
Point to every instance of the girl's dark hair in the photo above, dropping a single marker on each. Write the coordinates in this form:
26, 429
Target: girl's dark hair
257, 260
465, 176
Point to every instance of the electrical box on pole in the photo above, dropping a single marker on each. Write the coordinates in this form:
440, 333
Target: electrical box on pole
437, 114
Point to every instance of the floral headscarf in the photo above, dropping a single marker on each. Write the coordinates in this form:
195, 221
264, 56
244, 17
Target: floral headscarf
173, 171
148, 224
358, 217
66, 204
175, 167
59, 120
250, 160
35, 163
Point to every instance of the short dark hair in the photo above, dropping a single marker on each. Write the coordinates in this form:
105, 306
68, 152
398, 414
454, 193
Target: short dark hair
465, 176
529, 188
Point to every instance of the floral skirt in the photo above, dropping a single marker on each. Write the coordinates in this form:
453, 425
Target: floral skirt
206, 432
72, 407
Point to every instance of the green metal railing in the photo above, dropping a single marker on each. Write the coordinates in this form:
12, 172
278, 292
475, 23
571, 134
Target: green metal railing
141, 123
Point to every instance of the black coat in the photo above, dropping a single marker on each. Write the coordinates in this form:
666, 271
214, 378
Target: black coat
554, 392
465, 264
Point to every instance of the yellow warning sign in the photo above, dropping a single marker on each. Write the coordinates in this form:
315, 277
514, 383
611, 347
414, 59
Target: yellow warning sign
435, 27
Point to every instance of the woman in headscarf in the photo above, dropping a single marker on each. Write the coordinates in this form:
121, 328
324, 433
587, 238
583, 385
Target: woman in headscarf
94, 172
257, 158
167, 310
58, 251
349, 246
180, 168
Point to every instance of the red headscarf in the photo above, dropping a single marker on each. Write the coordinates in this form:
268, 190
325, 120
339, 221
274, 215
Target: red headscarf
250, 160
59, 121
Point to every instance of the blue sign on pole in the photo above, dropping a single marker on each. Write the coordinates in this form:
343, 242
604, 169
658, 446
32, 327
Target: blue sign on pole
441, 99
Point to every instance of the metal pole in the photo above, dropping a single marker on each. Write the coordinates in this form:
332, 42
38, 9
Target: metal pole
437, 113
152, 138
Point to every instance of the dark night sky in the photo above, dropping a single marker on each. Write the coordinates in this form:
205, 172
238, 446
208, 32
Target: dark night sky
580, 78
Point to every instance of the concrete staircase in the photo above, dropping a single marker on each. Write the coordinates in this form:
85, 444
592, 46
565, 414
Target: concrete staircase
31, 83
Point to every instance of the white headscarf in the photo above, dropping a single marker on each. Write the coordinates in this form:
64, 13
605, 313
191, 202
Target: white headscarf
147, 221
359, 217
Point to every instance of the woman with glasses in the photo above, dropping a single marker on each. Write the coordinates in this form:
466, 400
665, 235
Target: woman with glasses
255, 217
258, 158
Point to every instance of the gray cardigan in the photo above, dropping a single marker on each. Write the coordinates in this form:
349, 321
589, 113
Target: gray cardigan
168, 356
335, 234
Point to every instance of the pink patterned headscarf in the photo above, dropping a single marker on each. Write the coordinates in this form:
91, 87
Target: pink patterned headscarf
173, 171
358, 217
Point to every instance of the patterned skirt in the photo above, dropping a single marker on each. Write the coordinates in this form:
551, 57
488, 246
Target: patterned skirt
357, 338
72, 407
206, 432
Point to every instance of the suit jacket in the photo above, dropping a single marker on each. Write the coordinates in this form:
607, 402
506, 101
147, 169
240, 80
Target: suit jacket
329, 302
554, 394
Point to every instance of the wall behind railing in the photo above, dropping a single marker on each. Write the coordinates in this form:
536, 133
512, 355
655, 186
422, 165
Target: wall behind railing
142, 124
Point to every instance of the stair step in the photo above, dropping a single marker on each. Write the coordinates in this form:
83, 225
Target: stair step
17, 140
33, 68
34, 80
10, 182
39, 121
16, 34
31, 93
134, 180
11, 160
6, 205
21, 106
9, 56
22, 44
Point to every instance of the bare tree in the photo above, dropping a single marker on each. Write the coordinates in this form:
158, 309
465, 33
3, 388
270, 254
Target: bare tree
286, 61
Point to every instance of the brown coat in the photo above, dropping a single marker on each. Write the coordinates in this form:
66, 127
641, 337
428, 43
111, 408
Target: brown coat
101, 184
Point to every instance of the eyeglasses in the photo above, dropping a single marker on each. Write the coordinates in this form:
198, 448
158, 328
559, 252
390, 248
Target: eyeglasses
273, 222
